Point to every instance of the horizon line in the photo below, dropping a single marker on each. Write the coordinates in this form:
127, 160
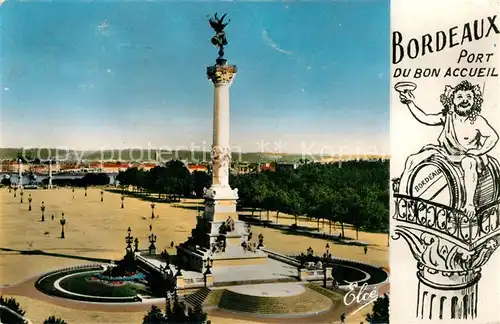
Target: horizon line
187, 150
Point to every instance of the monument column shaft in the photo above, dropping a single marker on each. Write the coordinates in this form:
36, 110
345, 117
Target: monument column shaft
221, 116
20, 184
447, 297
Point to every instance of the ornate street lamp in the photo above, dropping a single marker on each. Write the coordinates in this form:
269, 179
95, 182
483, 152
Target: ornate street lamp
85, 191
62, 221
207, 272
327, 254
152, 247
153, 210
29, 201
129, 239
122, 198
261, 241
21, 193
102, 195
15, 191
43, 211
136, 243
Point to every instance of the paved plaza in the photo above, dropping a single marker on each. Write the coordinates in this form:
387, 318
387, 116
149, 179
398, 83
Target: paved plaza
271, 270
270, 290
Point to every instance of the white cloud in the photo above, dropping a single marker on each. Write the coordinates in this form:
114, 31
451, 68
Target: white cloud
103, 28
273, 44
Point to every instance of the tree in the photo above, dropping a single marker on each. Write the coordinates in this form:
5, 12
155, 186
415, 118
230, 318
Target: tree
94, 179
198, 316
380, 311
154, 316
178, 179
6, 181
54, 320
200, 181
296, 205
175, 313
8, 317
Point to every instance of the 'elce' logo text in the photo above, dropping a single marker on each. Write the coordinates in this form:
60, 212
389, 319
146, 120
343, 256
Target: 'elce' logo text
362, 296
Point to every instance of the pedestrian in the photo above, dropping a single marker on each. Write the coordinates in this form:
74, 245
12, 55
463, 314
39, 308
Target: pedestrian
172, 244
342, 318
366, 249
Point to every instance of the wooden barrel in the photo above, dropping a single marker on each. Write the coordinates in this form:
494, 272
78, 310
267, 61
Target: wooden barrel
440, 181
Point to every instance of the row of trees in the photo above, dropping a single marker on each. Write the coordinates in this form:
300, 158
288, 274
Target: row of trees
176, 313
354, 192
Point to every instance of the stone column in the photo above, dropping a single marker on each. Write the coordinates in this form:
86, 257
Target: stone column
222, 76
20, 182
50, 175
447, 296
448, 272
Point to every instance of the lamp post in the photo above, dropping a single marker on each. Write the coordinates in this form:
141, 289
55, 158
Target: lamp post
328, 255
207, 272
15, 192
152, 247
166, 257
153, 210
21, 194
261, 241
129, 256
129, 239
29, 201
73, 191
122, 198
85, 191
136, 243
63, 222
43, 211
102, 195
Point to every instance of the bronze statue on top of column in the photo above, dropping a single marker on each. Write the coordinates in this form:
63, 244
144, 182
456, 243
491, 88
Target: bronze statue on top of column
219, 39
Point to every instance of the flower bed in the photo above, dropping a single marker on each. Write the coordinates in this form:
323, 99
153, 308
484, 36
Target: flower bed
133, 277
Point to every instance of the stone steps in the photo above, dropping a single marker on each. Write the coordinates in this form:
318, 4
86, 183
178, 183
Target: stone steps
198, 297
307, 302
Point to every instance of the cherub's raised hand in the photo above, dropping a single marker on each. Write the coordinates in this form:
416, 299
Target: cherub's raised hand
406, 97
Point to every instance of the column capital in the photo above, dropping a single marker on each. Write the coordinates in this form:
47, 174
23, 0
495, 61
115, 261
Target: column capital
221, 74
436, 254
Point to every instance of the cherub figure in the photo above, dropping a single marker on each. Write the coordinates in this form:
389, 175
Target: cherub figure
466, 137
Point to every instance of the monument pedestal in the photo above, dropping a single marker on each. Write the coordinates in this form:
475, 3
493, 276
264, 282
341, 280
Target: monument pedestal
219, 236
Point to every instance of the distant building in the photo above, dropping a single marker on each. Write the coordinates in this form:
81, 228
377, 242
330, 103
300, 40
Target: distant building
197, 167
271, 166
146, 166
286, 166
241, 168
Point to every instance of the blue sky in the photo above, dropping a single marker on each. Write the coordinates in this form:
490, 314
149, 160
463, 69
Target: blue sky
311, 76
